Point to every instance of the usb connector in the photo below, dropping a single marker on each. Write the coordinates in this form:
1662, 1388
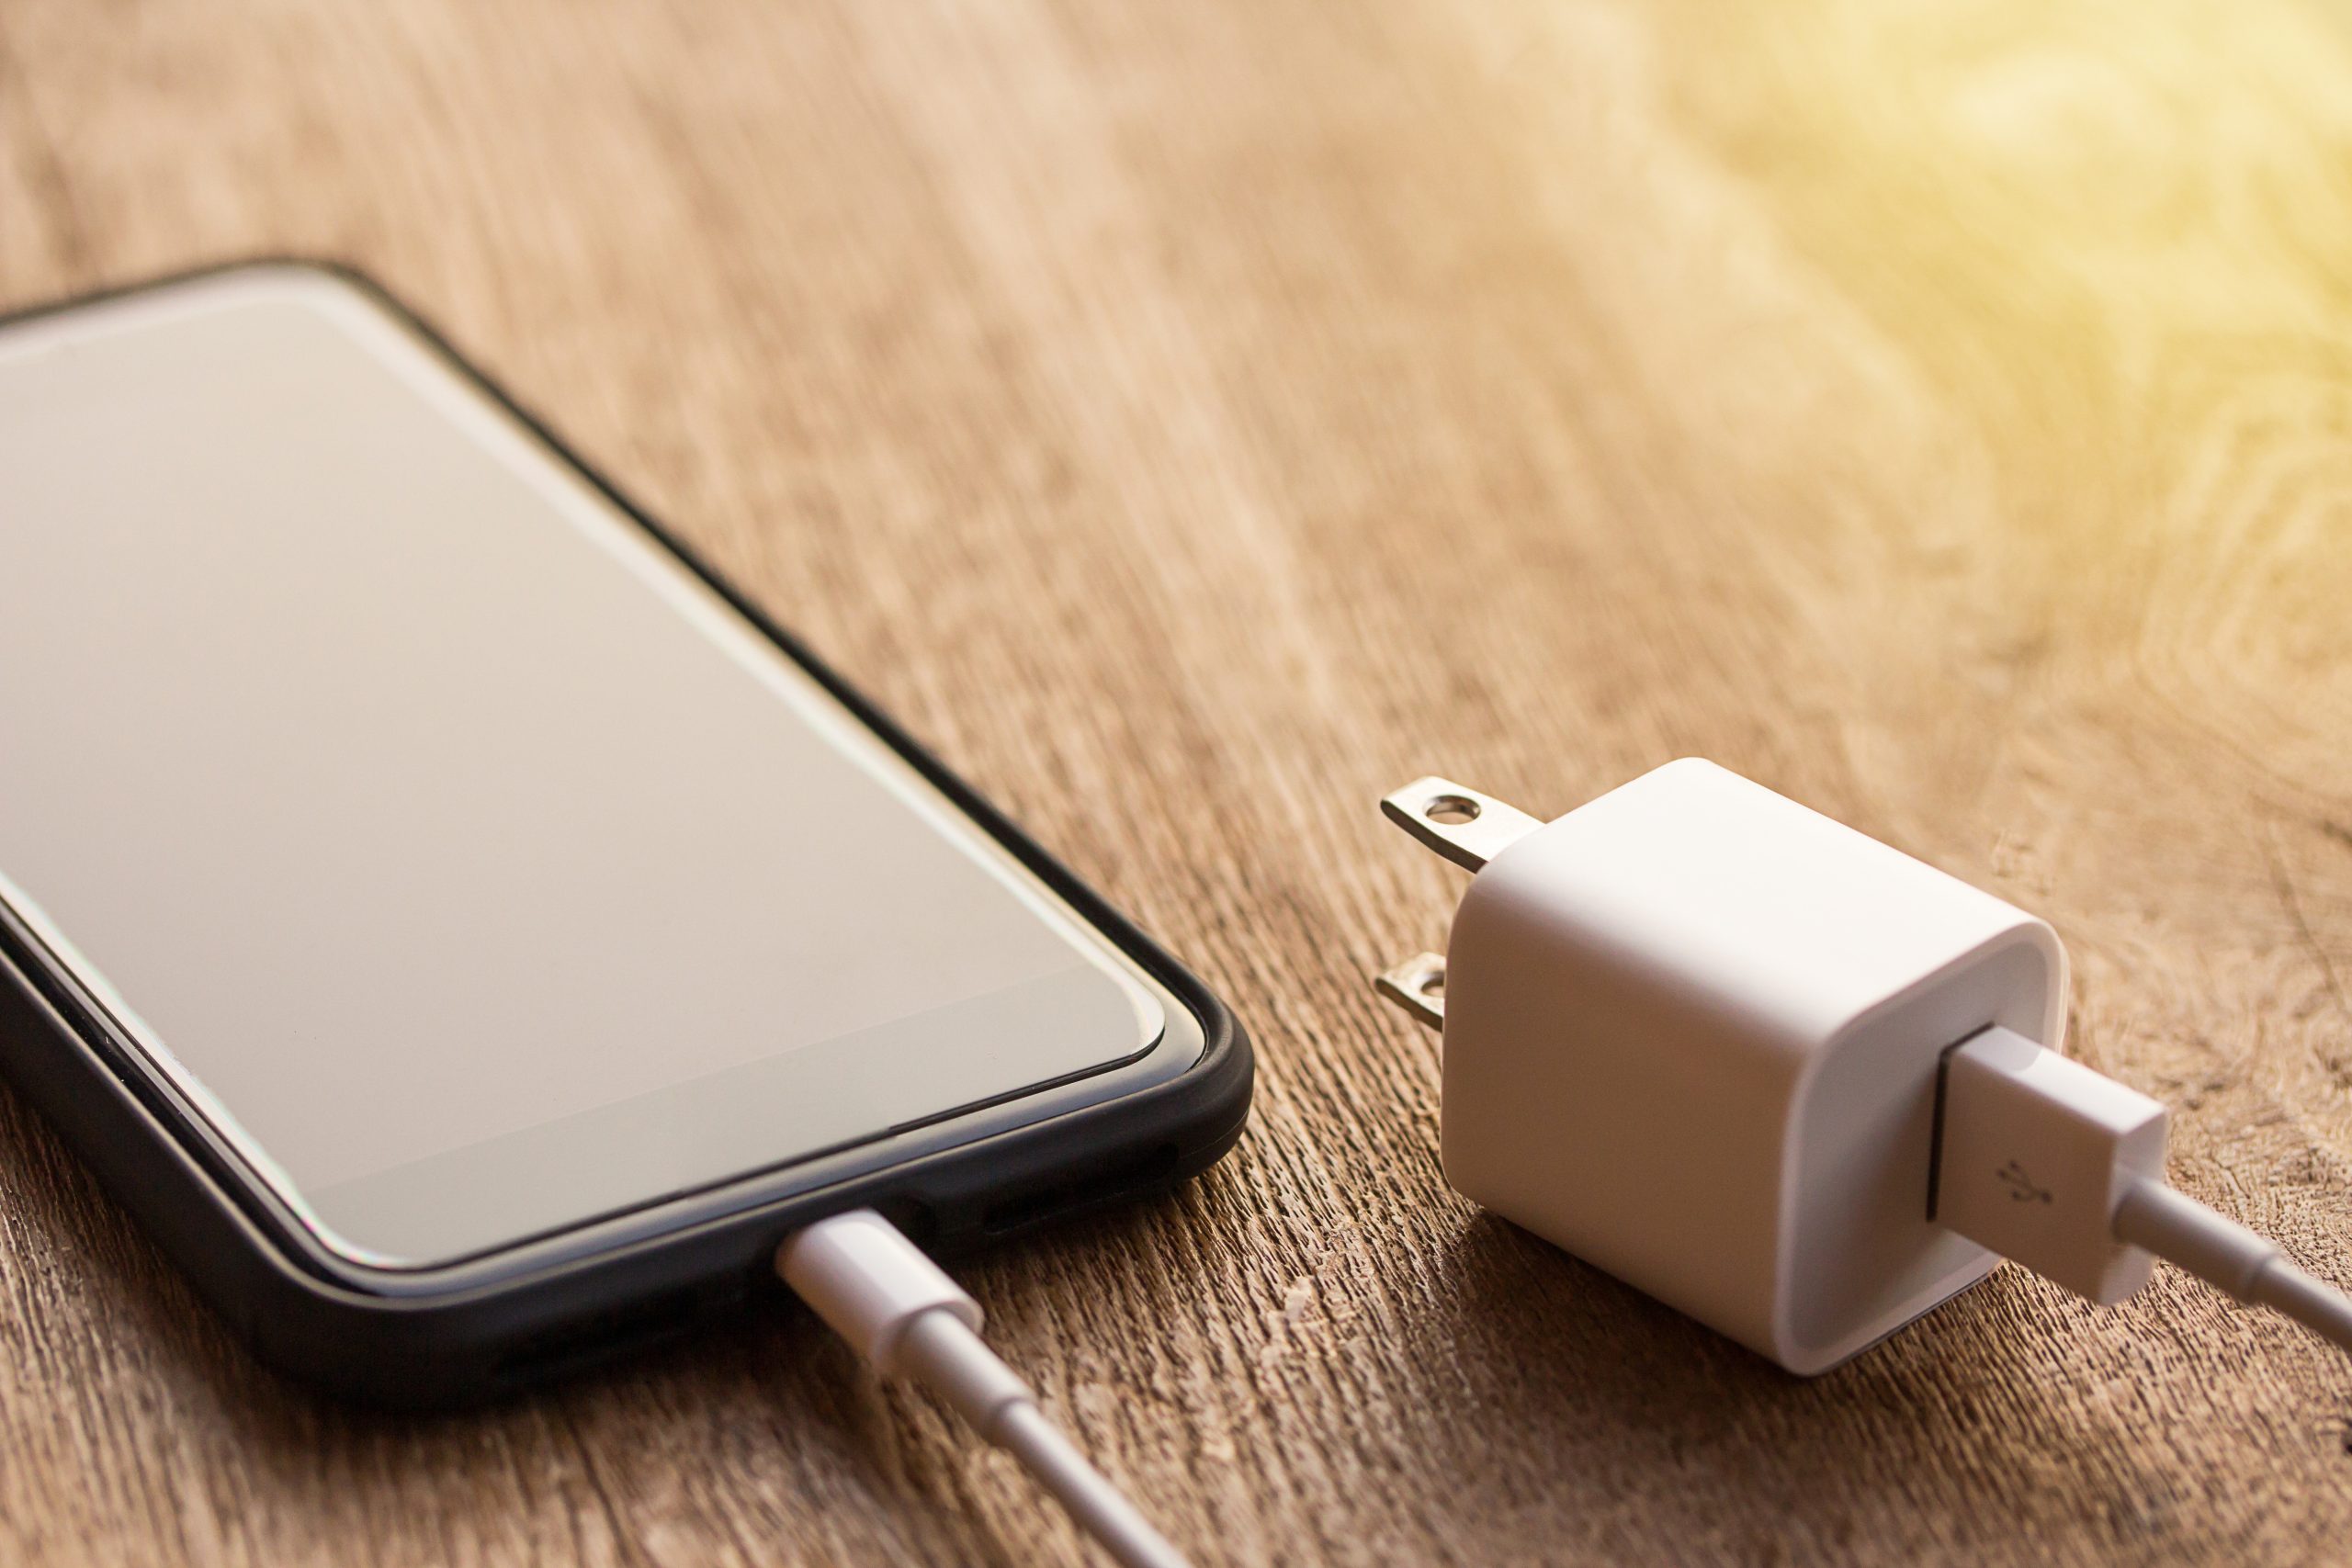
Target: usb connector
2033, 1154
2062, 1170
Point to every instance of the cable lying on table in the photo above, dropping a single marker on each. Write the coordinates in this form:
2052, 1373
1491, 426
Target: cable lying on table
899, 1311
2063, 1169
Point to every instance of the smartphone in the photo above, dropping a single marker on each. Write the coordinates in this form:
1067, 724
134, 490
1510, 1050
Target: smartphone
465, 932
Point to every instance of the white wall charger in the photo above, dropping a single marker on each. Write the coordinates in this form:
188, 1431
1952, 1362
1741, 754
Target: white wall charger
1698, 1035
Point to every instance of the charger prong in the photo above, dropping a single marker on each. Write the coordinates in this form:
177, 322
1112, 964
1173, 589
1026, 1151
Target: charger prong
1456, 820
1418, 985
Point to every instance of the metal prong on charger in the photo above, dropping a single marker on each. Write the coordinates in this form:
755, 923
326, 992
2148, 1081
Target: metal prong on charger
1459, 823
1418, 985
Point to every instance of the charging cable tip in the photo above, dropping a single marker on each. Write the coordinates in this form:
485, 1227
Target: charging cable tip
901, 1313
2061, 1168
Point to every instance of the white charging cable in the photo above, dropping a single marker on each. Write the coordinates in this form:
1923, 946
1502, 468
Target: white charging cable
2062, 1168
899, 1311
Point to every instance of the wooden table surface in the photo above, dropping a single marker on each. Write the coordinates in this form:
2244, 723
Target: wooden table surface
1196, 419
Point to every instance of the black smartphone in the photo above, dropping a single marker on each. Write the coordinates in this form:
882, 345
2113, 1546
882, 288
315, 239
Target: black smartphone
465, 932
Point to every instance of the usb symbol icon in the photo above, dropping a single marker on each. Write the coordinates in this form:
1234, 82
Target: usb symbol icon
2022, 1188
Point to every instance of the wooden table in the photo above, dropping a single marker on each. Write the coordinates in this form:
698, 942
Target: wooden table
1196, 419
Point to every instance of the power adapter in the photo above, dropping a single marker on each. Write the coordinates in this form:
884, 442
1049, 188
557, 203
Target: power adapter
1784, 1078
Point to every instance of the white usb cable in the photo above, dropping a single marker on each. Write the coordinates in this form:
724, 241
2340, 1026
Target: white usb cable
899, 1311
2049, 1163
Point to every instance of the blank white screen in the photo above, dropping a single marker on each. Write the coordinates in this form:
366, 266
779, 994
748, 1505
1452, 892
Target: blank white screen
421, 812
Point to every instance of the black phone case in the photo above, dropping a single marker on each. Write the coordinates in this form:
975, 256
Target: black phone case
479, 1341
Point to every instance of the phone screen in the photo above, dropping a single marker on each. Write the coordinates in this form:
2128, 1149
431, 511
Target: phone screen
470, 865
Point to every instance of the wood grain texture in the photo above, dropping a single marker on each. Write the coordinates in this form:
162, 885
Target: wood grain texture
1196, 419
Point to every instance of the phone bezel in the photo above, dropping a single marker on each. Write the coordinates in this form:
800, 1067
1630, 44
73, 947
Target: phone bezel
1196, 1021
